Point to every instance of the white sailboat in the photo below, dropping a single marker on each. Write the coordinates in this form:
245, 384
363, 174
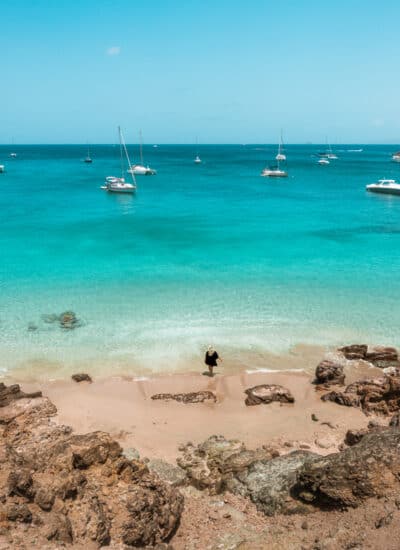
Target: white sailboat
197, 160
141, 169
88, 158
275, 171
115, 184
280, 155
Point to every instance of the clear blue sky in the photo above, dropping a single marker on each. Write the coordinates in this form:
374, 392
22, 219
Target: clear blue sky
228, 71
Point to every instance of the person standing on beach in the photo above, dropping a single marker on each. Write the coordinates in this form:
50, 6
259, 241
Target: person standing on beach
211, 359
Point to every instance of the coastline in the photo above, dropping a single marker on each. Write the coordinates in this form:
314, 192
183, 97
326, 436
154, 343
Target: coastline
123, 407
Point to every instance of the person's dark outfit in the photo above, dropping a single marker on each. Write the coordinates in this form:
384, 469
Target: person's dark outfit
211, 360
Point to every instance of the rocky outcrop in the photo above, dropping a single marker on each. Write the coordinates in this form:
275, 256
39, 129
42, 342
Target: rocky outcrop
380, 356
191, 397
214, 462
8, 394
267, 393
329, 373
81, 377
369, 469
374, 395
219, 465
75, 489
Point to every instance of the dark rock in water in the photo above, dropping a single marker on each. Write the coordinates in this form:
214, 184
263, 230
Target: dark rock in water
329, 373
267, 393
354, 351
75, 489
369, 469
191, 397
50, 317
380, 356
377, 395
81, 377
8, 394
32, 327
68, 320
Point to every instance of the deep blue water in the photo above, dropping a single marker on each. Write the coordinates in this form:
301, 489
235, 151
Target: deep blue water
209, 253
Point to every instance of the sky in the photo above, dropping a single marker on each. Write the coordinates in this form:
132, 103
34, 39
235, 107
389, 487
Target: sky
224, 71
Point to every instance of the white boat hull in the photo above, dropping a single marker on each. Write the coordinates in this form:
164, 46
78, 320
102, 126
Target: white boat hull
385, 190
1, 168
274, 174
280, 157
140, 170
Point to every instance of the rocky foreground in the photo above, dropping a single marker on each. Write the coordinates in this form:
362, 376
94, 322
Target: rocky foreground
59, 489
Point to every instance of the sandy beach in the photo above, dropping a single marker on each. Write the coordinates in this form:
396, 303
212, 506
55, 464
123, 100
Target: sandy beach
124, 408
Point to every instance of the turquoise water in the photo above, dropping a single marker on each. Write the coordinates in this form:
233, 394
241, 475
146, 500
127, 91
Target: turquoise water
208, 253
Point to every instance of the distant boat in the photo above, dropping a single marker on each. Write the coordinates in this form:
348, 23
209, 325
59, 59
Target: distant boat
114, 184
141, 169
2, 168
197, 160
155, 146
88, 158
396, 156
274, 171
329, 154
280, 155
385, 186
13, 155
355, 150
323, 160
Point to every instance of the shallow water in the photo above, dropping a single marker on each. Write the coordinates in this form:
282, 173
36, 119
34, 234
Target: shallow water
208, 253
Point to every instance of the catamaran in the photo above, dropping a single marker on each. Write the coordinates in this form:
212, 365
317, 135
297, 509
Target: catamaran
114, 184
141, 169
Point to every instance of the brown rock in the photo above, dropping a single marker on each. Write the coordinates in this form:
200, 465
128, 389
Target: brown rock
76, 489
8, 394
329, 373
377, 395
354, 351
369, 469
267, 393
192, 397
81, 377
395, 420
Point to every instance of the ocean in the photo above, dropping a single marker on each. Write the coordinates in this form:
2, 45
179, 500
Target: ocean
208, 253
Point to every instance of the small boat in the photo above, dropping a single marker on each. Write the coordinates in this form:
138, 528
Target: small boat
280, 155
197, 160
385, 186
274, 172
396, 156
2, 168
323, 160
13, 155
141, 169
114, 184
355, 150
88, 158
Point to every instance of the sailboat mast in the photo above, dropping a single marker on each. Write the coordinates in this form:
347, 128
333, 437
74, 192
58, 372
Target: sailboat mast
141, 147
122, 143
